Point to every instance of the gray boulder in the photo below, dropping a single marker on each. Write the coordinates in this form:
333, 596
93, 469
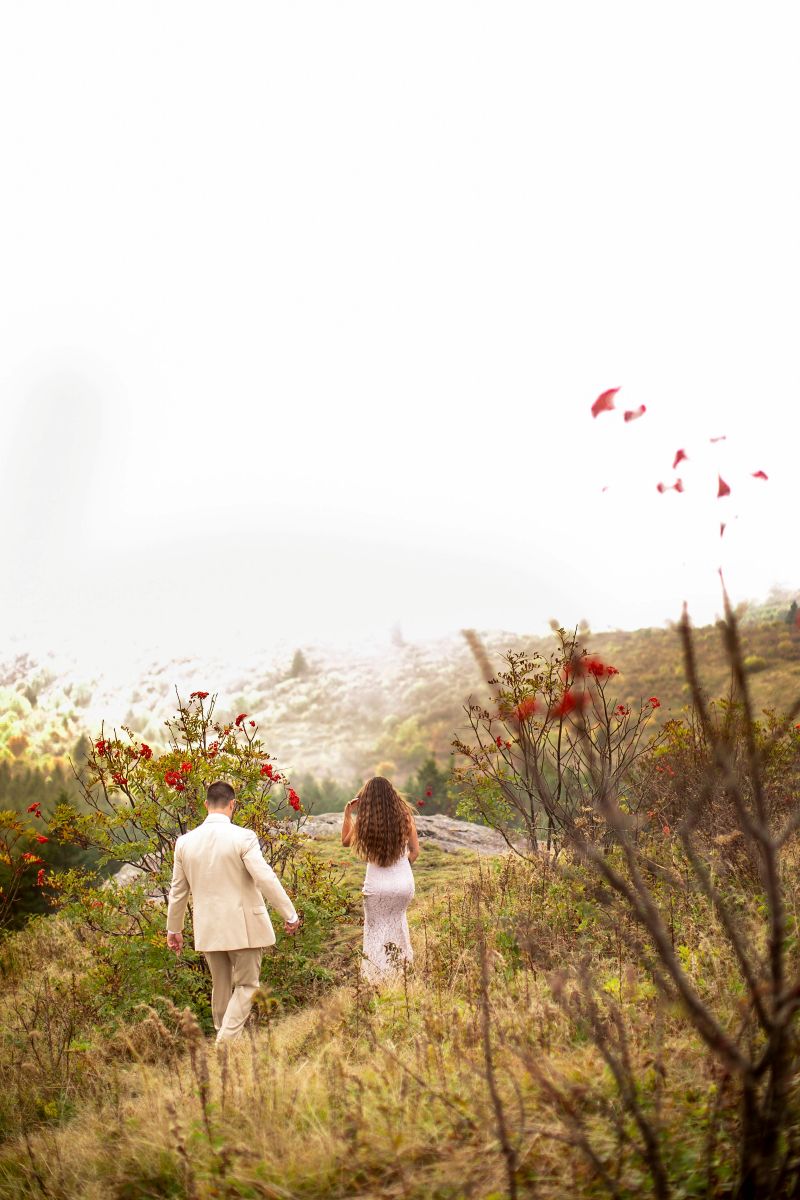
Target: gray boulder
436, 830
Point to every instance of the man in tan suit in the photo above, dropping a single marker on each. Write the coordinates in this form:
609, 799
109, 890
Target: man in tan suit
221, 864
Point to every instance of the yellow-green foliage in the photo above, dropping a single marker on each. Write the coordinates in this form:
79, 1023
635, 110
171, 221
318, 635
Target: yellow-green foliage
366, 1094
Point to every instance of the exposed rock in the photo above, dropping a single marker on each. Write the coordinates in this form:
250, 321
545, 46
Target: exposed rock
130, 874
436, 830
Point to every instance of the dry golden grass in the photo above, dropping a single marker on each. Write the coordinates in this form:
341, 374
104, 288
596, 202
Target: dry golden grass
388, 1094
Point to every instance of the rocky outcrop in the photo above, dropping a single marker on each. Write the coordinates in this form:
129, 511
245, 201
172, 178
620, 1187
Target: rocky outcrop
443, 832
128, 874
436, 830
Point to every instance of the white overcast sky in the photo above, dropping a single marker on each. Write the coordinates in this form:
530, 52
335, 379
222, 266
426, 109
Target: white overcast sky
303, 308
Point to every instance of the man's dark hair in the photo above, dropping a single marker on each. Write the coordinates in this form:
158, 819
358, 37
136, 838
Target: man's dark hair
219, 794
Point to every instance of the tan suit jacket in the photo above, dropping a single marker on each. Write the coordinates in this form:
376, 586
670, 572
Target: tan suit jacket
221, 864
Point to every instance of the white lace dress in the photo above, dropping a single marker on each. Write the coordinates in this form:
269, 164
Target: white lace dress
387, 892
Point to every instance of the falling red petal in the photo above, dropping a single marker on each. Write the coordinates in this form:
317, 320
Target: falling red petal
724, 490
760, 475
679, 457
633, 414
662, 487
722, 529
678, 485
722, 438
604, 402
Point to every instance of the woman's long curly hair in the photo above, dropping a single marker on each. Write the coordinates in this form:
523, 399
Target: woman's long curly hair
383, 822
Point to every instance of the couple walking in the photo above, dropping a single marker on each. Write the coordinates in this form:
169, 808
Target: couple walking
223, 869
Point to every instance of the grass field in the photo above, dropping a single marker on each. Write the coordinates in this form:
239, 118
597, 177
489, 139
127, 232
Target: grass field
369, 1094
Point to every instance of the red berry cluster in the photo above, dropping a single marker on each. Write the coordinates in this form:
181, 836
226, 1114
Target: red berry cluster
103, 749
569, 702
590, 666
596, 667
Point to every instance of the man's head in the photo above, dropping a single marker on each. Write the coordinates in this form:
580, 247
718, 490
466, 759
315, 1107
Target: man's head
220, 798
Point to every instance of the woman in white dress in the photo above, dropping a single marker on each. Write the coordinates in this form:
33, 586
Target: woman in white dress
380, 826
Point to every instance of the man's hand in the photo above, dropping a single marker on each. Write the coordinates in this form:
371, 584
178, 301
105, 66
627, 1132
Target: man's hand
175, 942
291, 926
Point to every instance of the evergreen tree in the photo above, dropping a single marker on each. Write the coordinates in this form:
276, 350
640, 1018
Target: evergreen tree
428, 790
299, 665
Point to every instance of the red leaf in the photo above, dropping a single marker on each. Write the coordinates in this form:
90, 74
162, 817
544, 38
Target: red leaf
604, 402
723, 490
760, 475
679, 457
633, 414
526, 708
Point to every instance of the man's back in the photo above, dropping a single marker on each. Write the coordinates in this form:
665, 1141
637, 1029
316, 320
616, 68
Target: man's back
221, 864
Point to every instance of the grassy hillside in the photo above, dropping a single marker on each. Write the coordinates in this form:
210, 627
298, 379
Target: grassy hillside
406, 1093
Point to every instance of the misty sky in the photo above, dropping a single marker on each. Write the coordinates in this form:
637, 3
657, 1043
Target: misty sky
303, 308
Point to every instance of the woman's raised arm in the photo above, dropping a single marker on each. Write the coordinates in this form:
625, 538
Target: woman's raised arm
348, 824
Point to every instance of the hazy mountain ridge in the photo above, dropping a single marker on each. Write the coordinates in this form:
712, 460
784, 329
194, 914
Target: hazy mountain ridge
330, 719
346, 710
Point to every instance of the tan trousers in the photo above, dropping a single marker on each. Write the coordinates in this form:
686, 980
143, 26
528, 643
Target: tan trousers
234, 983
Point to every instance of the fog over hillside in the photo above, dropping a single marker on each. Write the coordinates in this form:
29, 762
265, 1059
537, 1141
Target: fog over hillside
343, 709
331, 717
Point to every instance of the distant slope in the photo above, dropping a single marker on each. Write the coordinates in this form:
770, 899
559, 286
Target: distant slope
349, 711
